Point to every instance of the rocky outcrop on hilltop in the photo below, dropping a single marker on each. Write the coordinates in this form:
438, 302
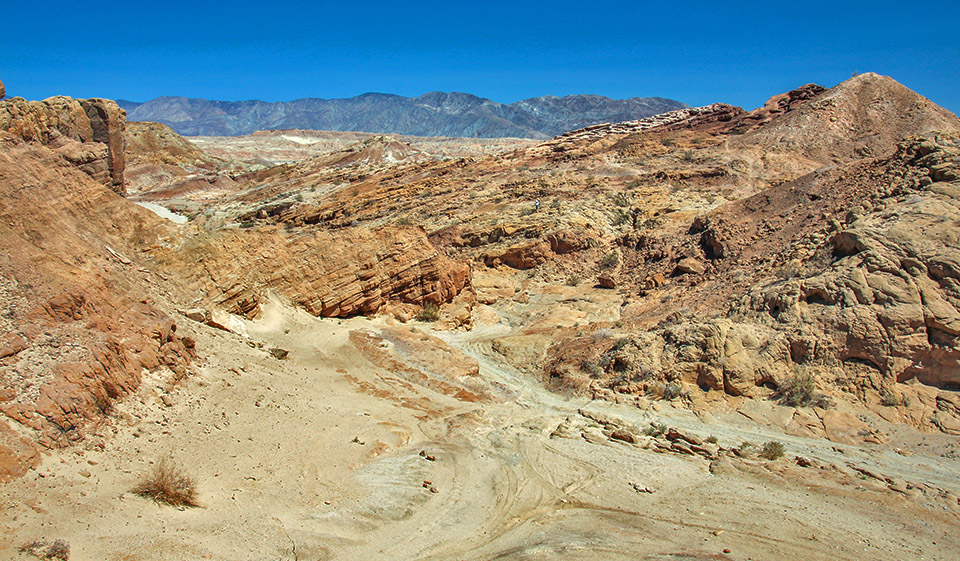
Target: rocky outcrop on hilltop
863, 117
86, 132
3, 91
709, 118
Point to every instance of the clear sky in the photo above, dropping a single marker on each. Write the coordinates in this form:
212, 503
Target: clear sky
696, 52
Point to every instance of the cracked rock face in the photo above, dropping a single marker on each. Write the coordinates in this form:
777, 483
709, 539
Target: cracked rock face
87, 132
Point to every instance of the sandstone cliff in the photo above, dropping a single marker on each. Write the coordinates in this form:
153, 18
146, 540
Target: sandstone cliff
80, 320
338, 274
87, 132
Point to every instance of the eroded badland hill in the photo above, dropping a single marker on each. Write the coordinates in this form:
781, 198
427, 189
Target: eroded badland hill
707, 334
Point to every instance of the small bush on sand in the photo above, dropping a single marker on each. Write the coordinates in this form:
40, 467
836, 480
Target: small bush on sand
59, 549
167, 483
772, 450
429, 312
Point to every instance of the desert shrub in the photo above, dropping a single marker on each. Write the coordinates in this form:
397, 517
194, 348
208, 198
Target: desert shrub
655, 429
799, 391
688, 156
167, 483
246, 224
671, 391
888, 398
429, 312
59, 549
591, 368
622, 216
621, 343
772, 450
712, 439
622, 199
404, 221
609, 261
555, 204
573, 280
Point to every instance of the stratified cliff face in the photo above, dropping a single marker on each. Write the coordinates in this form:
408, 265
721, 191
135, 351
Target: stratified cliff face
87, 132
331, 274
79, 323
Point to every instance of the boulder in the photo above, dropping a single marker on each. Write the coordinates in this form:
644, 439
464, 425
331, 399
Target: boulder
606, 280
3, 91
689, 265
196, 314
227, 322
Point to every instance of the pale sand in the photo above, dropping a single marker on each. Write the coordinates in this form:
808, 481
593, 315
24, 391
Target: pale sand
296, 460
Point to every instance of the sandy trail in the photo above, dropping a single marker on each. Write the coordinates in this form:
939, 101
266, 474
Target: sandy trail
317, 457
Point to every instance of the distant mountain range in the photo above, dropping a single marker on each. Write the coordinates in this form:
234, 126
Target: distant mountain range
432, 114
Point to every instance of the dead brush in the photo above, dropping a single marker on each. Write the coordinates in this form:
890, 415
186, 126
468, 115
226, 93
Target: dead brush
166, 483
59, 549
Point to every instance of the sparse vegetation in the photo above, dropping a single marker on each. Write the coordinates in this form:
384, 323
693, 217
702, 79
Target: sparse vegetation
166, 483
59, 549
688, 156
772, 450
671, 391
712, 439
622, 199
655, 429
573, 280
429, 312
621, 343
622, 216
609, 260
591, 368
800, 390
890, 399
404, 221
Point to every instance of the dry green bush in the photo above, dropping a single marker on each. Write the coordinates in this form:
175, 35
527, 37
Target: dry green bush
609, 261
772, 450
167, 483
429, 312
59, 549
800, 390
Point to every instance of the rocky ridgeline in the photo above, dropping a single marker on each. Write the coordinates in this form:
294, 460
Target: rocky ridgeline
86, 132
681, 118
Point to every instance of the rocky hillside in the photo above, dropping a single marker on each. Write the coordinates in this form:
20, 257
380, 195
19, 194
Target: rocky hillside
432, 114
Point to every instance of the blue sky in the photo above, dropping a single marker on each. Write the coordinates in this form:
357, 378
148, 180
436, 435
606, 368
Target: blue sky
696, 52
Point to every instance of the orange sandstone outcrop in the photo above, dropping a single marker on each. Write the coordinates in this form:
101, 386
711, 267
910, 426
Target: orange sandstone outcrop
87, 132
